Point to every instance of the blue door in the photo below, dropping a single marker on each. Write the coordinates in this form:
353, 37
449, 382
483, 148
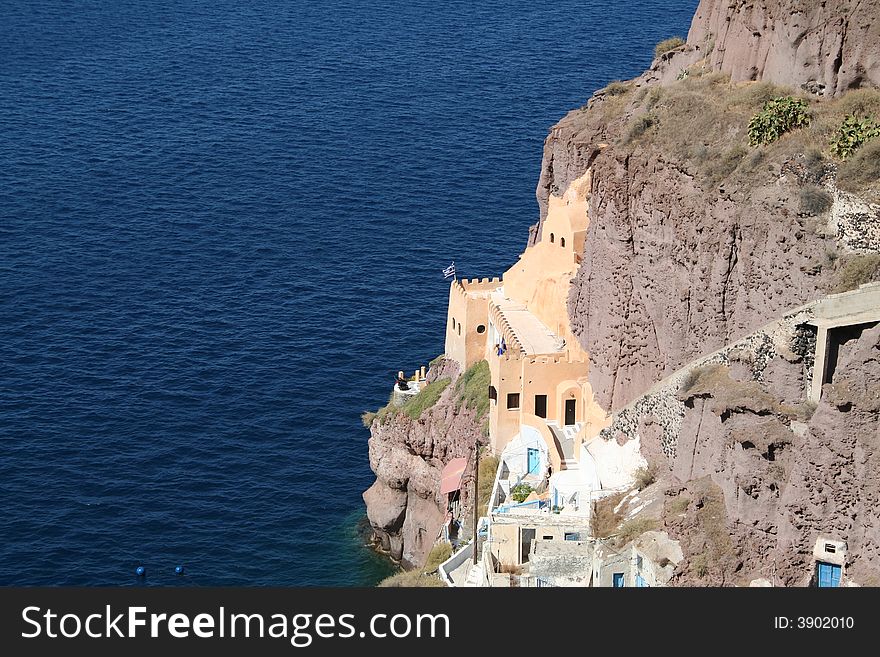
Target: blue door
829, 575
534, 460
617, 580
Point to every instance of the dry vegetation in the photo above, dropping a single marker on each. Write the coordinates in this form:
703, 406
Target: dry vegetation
703, 122
856, 270
604, 521
711, 517
488, 468
634, 528
424, 577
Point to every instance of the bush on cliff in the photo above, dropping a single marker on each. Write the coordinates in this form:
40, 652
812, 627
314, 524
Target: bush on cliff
472, 388
668, 45
778, 116
852, 134
427, 397
423, 577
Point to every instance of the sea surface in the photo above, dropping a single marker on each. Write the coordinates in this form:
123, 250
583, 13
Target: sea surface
222, 230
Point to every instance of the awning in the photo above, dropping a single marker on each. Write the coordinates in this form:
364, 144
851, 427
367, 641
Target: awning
450, 480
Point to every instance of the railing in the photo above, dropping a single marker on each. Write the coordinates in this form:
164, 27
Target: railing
447, 567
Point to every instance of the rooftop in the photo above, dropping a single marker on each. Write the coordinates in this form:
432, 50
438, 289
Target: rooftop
532, 334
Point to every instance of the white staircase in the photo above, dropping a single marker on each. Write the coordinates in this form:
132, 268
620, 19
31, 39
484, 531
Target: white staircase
566, 437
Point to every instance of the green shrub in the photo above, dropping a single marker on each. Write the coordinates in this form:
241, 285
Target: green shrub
520, 492
472, 388
852, 135
425, 399
667, 45
367, 418
779, 115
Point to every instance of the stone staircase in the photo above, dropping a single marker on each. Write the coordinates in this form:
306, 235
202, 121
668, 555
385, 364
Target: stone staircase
566, 437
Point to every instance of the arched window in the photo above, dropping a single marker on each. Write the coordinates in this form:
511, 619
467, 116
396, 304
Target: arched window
552, 238
562, 241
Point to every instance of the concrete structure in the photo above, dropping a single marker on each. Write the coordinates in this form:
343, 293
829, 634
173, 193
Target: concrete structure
840, 319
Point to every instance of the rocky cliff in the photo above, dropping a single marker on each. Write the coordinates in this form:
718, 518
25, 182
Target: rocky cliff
763, 479
826, 48
407, 454
698, 238
695, 238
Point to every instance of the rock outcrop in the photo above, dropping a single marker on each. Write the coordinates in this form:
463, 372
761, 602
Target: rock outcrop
761, 481
826, 48
404, 505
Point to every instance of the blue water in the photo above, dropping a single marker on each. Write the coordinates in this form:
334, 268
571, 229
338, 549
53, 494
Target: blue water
222, 226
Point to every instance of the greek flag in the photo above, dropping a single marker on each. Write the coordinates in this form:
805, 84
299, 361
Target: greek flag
449, 272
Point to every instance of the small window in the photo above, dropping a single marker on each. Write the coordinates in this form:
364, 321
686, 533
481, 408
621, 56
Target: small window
552, 238
572, 536
459, 329
512, 401
830, 549
481, 329
547, 538
617, 580
453, 323
493, 394
562, 241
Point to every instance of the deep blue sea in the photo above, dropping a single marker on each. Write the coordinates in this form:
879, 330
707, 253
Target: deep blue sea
222, 229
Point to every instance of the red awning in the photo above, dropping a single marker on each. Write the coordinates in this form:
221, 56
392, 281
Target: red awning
450, 480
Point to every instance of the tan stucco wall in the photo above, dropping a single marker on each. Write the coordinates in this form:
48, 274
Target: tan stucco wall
506, 373
541, 278
506, 544
469, 308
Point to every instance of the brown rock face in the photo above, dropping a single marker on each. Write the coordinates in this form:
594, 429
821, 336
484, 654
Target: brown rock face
404, 505
759, 492
672, 271
824, 47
